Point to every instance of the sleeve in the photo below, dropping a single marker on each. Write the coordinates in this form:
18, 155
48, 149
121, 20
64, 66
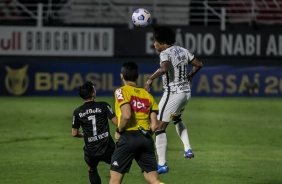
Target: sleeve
75, 120
110, 113
121, 97
164, 57
190, 56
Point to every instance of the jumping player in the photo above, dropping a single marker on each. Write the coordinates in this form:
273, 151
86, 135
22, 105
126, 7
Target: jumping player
174, 61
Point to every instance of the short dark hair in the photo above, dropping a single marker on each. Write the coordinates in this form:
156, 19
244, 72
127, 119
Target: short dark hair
86, 90
164, 34
129, 70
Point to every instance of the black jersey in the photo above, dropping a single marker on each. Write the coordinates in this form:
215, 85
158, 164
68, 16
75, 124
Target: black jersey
93, 117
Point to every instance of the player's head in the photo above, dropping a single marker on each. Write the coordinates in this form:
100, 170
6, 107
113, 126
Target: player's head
164, 35
87, 91
129, 71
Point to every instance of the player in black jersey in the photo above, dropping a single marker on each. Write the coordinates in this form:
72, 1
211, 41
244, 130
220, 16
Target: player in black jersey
93, 117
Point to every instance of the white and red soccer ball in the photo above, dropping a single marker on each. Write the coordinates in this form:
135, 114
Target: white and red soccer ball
141, 17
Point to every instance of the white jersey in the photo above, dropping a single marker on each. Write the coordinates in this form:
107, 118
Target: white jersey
175, 79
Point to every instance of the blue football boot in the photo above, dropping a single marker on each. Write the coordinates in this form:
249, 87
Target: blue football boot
189, 154
162, 169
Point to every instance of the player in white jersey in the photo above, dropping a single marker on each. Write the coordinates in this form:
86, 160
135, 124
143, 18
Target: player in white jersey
174, 61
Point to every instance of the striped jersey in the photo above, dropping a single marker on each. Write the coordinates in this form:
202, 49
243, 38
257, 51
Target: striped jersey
142, 104
175, 79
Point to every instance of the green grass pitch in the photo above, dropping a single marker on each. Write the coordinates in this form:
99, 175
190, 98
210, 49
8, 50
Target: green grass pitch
235, 141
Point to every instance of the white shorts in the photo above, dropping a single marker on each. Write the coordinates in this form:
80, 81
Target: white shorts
172, 104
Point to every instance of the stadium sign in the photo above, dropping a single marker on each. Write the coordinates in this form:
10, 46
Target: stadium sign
56, 41
239, 42
63, 79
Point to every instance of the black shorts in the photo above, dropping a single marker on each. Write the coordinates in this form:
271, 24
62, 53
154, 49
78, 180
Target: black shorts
134, 145
93, 161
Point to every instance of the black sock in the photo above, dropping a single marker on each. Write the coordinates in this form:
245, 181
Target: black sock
94, 177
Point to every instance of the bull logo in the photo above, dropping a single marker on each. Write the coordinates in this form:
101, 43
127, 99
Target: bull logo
16, 81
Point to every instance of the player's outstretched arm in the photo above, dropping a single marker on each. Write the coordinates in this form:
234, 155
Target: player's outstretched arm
160, 71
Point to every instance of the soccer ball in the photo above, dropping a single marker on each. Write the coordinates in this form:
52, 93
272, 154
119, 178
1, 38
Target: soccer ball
141, 17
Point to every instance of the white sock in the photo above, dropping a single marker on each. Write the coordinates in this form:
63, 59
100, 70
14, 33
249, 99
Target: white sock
183, 134
161, 143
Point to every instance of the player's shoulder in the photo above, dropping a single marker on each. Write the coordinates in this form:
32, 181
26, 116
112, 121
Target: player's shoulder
131, 90
120, 94
177, 47
166, 51
124, 89
119, 89
79, 109
145, 93
173, 49
142, 91
101, 103
150, 95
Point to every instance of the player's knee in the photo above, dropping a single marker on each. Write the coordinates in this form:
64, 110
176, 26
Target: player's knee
90, 169
176, 119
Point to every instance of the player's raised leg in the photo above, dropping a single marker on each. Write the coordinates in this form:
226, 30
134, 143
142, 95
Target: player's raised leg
180, 126
183, 134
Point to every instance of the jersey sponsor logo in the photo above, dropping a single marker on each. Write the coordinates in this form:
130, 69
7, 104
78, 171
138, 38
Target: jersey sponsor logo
119, 95
182, 84
184, 88
89, 111
140, 104
177, 51
181, 58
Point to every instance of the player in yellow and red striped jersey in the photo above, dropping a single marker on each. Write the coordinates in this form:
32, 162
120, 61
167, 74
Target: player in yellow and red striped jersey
136, 111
